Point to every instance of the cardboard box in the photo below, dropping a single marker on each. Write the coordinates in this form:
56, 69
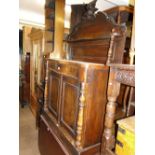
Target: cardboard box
125, 141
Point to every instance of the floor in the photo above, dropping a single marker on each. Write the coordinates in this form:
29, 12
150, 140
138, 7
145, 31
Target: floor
28, 133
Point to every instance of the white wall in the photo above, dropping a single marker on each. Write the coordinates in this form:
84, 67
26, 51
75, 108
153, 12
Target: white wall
31, 12
31, 18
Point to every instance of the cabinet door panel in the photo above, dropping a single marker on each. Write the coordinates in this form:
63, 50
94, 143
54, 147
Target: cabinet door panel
69, 107
54, 92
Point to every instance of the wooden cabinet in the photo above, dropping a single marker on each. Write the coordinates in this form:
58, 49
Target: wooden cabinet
25, 82
25, 67
75, 93
36, 68
26, 39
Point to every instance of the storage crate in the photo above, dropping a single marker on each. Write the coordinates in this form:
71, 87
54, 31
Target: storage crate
125, 142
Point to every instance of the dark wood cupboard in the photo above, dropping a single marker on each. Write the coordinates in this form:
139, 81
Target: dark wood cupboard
75, 88
25, 82
36, 69
70, 102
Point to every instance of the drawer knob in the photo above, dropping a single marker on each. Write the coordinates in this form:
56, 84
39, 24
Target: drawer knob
58, 68
48, 129
40, 101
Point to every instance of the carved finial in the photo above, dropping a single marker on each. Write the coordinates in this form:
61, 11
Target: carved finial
90, 10
110, 52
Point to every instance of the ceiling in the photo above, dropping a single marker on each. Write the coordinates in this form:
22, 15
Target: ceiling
31, 12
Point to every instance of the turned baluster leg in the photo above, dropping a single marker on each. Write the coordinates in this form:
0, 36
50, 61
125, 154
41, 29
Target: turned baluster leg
46, 88
108, 139
125, 98
80, 117
111, 48
132, 46
108, 136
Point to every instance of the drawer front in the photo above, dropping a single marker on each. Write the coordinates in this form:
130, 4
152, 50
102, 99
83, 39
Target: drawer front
67, 69
47, 142
69, 104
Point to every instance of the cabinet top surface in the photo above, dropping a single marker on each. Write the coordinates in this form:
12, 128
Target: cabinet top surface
123, 66
75, 62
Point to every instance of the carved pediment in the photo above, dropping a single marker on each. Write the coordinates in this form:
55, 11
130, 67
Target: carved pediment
90, 10
94, 26
96, 38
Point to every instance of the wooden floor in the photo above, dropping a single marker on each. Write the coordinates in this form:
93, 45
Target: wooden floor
28, 134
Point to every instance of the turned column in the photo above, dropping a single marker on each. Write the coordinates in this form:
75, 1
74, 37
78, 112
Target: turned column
108, 139
132, 46
78, 142
46, 88
119, 17
112, 42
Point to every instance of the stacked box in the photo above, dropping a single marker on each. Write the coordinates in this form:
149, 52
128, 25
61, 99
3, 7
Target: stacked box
125, 142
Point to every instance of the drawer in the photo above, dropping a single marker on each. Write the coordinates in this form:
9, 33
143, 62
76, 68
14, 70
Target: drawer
48, 145
76, 69
68, 69
57, 66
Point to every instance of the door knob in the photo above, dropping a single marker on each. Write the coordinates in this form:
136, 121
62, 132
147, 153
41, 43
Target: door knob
58, 68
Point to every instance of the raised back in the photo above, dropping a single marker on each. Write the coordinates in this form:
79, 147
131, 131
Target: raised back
121, 14
96, 38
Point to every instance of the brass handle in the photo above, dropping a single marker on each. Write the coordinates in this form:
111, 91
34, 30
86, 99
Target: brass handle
40, 101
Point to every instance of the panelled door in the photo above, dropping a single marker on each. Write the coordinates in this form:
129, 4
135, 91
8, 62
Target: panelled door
69, 104
54, 87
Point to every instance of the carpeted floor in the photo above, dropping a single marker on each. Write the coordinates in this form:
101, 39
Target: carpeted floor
28, 133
